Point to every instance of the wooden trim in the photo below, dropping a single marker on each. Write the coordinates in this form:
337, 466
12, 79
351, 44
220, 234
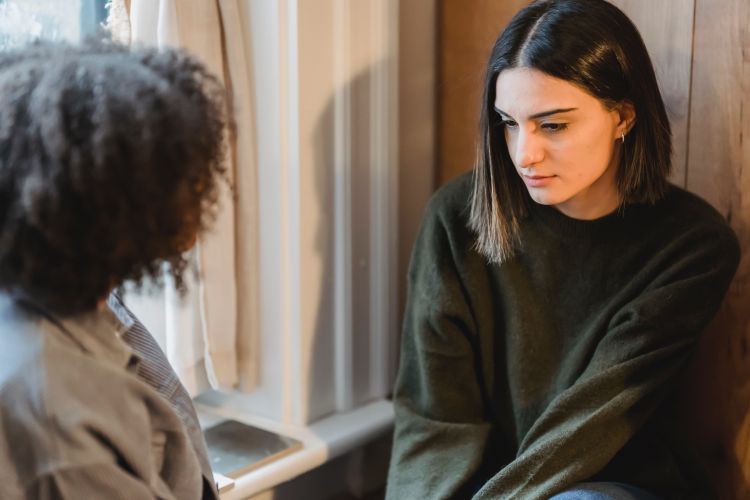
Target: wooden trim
719, 170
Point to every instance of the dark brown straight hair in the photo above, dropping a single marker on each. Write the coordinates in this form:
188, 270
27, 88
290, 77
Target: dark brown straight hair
593, 45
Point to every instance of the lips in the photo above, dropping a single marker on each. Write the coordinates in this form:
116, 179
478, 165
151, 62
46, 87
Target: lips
537, 180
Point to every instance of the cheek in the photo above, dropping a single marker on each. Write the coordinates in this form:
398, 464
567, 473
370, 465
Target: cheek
601, 137
592, 153
601, 154
572, 156
510, 143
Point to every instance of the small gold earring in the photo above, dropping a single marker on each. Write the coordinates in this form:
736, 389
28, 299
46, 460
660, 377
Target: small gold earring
623, 137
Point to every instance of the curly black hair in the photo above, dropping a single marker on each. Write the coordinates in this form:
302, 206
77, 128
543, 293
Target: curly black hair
110, 164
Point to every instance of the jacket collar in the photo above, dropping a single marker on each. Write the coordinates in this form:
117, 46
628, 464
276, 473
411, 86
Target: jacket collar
96, 332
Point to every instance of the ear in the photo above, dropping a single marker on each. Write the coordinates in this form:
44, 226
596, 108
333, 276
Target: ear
626, 115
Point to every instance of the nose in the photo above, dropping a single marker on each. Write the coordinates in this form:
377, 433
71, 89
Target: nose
528, 149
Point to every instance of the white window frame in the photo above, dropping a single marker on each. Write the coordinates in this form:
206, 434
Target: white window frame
311, 62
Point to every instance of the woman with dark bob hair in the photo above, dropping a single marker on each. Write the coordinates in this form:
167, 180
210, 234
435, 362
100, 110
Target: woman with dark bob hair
110, 161
557, 290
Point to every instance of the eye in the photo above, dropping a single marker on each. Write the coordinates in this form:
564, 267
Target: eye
555, 127
509, 123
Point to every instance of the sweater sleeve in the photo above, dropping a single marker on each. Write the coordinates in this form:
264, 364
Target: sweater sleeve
440, 427
646, 344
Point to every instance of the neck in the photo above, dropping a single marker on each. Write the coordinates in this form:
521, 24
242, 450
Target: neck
590, 207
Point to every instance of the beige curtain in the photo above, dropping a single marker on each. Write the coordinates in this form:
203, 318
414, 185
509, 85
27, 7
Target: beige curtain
220, 315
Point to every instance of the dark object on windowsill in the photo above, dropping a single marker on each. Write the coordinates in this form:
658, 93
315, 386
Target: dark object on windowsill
235, 448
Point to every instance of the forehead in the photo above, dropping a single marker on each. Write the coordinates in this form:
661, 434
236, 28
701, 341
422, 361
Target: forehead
523, 92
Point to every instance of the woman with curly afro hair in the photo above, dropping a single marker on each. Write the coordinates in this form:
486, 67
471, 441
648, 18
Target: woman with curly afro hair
110, 161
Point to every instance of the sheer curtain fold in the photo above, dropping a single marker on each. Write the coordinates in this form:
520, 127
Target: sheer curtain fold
204, 335
238, 76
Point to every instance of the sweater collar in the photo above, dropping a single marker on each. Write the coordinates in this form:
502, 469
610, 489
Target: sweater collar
564, 226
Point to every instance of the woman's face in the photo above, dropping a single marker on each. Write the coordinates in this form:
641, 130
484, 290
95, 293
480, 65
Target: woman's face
563, 142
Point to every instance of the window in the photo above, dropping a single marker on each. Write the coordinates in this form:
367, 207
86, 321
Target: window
22, 21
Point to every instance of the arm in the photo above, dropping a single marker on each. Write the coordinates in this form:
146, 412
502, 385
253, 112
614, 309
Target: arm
122, 444
155, 370
646, 344
441, 427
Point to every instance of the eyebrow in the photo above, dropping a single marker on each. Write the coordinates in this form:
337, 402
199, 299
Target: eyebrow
543, 114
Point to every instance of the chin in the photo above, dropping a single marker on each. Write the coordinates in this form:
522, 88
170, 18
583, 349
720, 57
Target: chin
545, 197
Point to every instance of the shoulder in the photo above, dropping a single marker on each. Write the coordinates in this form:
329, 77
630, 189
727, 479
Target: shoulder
445, 247
71, 410
55, 377
452, 201
45, 376
684, 232
689, 206
446, 217
22, 355
688, 215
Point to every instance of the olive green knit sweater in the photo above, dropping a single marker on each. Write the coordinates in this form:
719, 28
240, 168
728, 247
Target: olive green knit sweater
521, 379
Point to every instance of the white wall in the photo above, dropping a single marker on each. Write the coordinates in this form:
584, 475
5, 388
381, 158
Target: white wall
325, 85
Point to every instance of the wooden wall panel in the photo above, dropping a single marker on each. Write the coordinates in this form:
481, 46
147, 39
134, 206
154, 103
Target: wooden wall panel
719, 170
417, 128
466, 31
667, 30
